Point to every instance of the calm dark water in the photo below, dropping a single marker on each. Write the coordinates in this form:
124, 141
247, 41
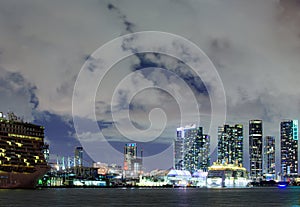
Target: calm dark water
151, 197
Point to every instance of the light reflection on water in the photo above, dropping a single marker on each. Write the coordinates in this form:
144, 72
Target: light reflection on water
151, 197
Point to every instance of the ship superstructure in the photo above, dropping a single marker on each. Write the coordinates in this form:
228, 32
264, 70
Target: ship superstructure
22, 161
227, 175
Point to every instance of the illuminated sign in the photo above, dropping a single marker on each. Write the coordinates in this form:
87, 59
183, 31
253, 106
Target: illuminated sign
131, 145
295, 129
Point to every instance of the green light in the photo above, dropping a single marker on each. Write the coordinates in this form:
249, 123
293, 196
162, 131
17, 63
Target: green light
295, 129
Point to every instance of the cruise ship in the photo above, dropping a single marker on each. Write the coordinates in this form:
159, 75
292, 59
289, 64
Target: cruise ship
227, 175
22, 161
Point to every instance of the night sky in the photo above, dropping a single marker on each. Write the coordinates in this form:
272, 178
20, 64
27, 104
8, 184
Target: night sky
50, 68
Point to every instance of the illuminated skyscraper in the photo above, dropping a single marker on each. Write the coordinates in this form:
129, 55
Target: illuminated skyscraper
191, 149
202, 148
269, 155
256, 148
132, 164
78, 156
289, 147
46, 152
130, 151
178, 151
230, 144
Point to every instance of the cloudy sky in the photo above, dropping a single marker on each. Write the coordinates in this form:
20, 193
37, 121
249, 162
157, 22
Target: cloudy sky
49, 50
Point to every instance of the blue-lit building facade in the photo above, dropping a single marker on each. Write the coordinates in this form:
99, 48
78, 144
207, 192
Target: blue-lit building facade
289, 147
256, 148
230, 144
191, 149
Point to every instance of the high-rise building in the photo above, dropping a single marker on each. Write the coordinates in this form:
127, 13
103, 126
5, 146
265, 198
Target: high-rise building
269, 155
230, 144
178, 152
289, 147
191, 149
256, 148
132, 164
183, 137
46, 152
203, 147
78, 157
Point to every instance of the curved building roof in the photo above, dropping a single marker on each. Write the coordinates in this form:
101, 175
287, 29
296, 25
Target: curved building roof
179, 173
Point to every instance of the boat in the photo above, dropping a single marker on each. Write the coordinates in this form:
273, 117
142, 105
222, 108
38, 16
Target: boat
282, 184
227, 175
22, 147
179, 178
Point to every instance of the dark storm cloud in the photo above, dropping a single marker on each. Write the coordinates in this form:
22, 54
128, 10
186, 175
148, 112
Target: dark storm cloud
52, 121
66, 87
289, 8
105, 124
158, 60
59, 132
178, 67
144, 62
90, 61
111, 7
15, 84
289, 15
122, 100
126, 44
129, 26
254, 44
33, 98
137, 106
101, 108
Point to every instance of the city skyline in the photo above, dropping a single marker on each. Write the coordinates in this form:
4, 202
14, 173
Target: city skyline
254, 47
191, 156
188, 137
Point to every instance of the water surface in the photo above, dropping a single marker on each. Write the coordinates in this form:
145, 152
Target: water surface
151, 197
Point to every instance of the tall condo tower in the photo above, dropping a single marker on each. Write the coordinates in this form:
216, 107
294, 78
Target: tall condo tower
256, 148
230, 144
132, 164
289, 147
269, 155
78, 156
191, 149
